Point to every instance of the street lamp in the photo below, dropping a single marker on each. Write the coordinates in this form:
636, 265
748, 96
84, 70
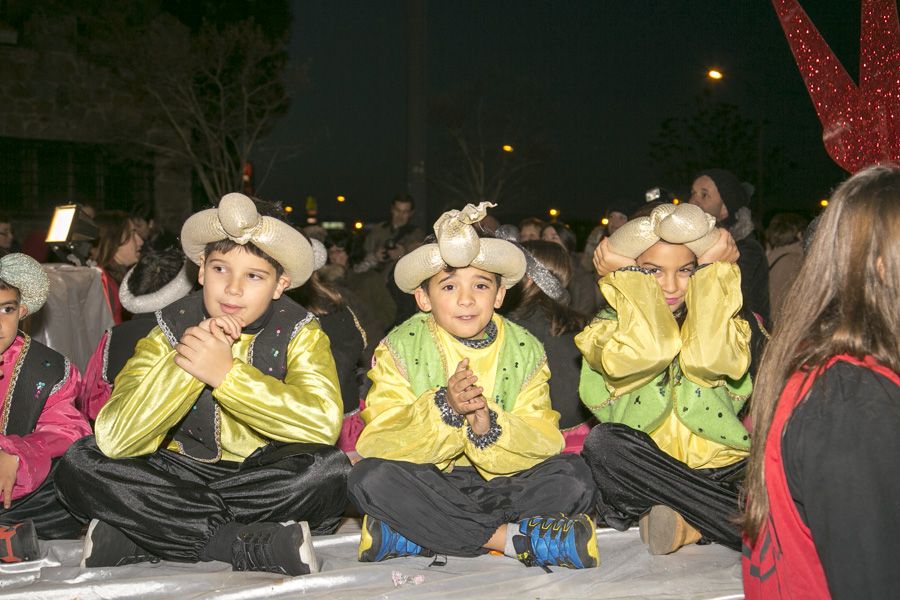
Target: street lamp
507, 148
341, 199
553, 213
358, 225
823, 203
714, 74
604, 221
288, 209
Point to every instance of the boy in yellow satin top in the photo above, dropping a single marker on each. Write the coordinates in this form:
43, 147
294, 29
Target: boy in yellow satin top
221, 425
461, 449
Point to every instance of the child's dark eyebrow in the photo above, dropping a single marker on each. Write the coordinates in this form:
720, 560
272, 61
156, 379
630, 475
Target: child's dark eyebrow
12, 303
449, 276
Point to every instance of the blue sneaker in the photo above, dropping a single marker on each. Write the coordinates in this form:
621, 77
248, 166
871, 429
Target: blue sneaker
377, 541
557, 541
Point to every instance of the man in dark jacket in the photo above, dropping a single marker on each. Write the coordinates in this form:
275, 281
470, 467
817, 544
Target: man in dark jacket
721, 194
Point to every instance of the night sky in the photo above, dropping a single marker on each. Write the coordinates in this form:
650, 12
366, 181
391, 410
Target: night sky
611, 71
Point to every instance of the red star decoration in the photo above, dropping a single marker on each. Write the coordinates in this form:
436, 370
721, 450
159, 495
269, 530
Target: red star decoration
860, 124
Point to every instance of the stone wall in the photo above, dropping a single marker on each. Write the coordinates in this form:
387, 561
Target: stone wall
48, 92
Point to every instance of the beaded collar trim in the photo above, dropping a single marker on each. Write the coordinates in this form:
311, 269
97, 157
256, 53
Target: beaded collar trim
490, 333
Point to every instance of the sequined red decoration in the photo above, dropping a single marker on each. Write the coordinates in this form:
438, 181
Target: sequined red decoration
860, 124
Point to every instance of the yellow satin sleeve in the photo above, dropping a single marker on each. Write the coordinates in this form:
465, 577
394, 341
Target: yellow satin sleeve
715, 341
529, 433
152, 394
305, 407
634, 348
402, 426
679, 442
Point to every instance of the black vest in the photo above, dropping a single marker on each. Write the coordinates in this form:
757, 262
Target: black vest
121, 342
198, 435
38, 373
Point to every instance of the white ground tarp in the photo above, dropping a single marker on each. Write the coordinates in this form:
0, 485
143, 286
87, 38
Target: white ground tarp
627, 571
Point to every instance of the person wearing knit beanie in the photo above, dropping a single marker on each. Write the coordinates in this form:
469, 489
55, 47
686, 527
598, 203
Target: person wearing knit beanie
721, 194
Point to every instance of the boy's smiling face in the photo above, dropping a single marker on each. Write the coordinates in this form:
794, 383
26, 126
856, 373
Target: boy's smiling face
240, 284
462, 301
11, 312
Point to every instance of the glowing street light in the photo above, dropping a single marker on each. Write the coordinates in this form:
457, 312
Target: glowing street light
676, 201
604, 221
715, 74
341, 199
823, 203
507, 148
553, 213
358, 225
288, 209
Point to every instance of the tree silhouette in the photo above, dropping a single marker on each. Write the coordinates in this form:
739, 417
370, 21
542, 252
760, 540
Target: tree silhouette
210, 85
717, 134
472, 125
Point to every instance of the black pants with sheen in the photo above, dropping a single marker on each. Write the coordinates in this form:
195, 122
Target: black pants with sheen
633, 475
51, 520
171, 505
456, 513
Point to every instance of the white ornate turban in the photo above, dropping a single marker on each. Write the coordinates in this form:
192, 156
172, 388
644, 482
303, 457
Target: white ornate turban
676, 224
26, 274
174, 290
459, 246
236, 219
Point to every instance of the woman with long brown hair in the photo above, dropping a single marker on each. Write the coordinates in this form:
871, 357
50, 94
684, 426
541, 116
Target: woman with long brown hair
118, 249
823, 496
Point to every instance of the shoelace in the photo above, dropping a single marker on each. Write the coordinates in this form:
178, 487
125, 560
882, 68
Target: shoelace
251, 553
551, 543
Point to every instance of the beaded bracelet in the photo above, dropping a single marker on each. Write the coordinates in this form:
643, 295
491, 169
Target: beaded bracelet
489, 437
448, 415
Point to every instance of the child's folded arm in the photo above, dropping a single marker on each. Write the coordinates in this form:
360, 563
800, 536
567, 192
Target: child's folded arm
716, 341
150, 396
57, 427
528, 435
401, 425
305, 407
633, 345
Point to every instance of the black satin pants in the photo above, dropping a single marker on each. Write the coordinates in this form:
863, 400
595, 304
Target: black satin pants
456, 513
51, 520
633, 475
171, 505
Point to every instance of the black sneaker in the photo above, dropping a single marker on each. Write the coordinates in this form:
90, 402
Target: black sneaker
18, 542
284, 548
106, 546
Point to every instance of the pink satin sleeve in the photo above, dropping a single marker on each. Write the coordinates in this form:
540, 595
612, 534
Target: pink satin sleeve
94, 391
59, 425
575, 437
351, 428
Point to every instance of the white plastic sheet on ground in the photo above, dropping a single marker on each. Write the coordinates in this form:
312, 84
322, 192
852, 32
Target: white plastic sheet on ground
627, 571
